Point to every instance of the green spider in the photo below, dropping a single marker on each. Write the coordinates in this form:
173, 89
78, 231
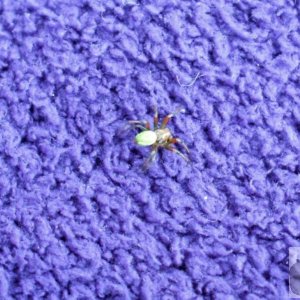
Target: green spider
158, 137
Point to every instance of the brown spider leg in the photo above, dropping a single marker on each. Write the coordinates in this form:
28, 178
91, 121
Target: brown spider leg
174, 150
179, 141
169, 116
155, 117
151, 158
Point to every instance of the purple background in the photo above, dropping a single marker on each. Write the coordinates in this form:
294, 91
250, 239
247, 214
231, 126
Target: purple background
78, 218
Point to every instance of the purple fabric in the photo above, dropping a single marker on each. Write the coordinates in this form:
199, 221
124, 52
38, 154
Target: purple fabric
78, 217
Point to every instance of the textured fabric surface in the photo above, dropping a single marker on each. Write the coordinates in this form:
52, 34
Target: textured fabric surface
78, 217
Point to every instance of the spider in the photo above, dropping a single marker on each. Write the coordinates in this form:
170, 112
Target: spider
158, 137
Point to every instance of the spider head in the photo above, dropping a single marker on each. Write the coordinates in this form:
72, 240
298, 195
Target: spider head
146, 138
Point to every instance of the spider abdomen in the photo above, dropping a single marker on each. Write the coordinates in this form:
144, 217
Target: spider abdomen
146, 138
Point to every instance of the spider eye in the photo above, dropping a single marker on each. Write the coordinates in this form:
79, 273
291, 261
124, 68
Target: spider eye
146, 138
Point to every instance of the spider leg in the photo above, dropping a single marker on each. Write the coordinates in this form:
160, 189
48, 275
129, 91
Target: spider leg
174, 150
179, 141
155, 117
132, 126
150, 159
144, 124
169, 116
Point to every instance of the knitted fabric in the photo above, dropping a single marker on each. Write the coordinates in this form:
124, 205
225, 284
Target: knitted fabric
78, 217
